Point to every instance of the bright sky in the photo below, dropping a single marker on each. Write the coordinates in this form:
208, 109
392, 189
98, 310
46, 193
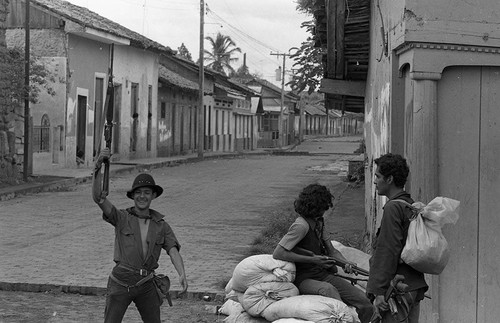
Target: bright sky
258, 27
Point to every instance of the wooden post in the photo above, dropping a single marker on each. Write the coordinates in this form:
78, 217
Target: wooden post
201, 106
27, 155
424, 155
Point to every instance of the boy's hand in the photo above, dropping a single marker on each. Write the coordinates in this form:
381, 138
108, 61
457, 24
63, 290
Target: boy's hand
104, 155
324, 261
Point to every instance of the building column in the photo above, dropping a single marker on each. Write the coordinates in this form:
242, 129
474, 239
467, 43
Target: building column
424, 184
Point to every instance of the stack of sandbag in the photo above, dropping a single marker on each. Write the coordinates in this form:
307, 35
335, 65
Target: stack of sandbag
257, 282
360, 258
262, 287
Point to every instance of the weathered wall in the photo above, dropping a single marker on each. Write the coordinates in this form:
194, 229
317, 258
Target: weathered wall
132, 65
449, 21
53, 106
419, 106
177, 131
43, 42
86, 59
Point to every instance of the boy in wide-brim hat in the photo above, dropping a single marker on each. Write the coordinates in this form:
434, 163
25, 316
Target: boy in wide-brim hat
140, 234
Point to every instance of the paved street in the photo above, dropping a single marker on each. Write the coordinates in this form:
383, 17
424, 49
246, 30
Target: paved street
215, 207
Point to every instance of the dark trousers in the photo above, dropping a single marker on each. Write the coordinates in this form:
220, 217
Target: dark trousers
341, 289
145, 297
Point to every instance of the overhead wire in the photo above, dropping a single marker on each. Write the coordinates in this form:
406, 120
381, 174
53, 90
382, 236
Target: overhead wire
247, 39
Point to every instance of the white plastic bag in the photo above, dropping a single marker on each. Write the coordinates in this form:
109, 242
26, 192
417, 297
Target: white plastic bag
426, 248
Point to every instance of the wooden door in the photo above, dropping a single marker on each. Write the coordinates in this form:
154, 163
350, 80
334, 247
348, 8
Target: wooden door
469, 140
81, 126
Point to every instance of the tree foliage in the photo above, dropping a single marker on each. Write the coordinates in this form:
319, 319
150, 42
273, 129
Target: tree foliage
307, 63
221, 55
12, 88
182, 51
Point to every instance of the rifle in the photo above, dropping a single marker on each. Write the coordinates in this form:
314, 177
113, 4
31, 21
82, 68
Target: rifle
108, 127
338, 262
394, 296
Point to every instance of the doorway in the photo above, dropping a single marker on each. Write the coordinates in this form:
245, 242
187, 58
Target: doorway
81, 124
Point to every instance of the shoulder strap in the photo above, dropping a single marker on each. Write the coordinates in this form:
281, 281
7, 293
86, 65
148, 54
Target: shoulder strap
415, 211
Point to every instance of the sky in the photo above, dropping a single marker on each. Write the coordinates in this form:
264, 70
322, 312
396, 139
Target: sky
258, 27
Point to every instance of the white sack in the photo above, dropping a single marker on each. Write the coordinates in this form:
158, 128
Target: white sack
234, 295
291, 320
231, 307
244, 318
259, 296
360, 258
316, 308
260, 269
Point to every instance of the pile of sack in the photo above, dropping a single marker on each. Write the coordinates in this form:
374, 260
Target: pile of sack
261, 290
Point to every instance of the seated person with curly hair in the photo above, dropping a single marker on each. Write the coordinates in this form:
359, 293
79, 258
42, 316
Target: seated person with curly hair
303, 244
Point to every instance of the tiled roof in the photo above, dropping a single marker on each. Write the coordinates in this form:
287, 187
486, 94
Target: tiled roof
90, 19
175, 79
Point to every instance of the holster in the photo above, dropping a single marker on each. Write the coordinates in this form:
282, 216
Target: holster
162, 284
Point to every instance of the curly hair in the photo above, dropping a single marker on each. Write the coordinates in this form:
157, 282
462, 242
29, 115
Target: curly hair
395, 165
313, 201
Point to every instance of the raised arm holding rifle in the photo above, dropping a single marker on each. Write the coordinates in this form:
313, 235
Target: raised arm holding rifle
140, 235
314, 260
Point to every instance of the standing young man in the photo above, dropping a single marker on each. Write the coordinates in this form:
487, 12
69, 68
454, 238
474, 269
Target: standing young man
390, 178
140, 234
303, 244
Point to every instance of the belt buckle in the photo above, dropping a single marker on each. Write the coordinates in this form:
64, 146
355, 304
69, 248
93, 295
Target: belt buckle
143, 272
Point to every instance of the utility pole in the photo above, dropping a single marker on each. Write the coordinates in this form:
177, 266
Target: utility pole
201, 108
27, 141
281, 118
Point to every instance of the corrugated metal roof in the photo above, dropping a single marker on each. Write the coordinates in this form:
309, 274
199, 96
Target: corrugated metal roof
90, 19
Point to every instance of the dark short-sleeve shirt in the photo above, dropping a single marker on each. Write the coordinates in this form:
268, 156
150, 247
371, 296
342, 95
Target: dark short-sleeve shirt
128, 244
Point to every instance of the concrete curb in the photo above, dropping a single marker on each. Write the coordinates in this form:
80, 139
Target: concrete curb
98, 291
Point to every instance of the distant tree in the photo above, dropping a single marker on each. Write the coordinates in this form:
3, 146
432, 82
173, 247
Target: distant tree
242, 72
307, 58
182, 51
221, 55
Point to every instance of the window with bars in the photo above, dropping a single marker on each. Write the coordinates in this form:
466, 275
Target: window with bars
41, 135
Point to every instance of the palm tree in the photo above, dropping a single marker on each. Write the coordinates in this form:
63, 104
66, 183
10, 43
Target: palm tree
223, 47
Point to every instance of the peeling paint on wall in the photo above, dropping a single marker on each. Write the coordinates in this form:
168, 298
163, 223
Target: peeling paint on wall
378, 124
164, 134
71, 120
379, 120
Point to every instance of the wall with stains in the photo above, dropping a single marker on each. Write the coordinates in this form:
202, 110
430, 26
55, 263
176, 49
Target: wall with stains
462, 22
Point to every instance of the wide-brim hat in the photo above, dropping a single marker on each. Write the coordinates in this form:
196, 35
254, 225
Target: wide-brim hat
144, 180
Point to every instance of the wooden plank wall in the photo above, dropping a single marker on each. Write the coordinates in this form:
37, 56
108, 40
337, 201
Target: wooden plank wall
489, 198
458, 133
